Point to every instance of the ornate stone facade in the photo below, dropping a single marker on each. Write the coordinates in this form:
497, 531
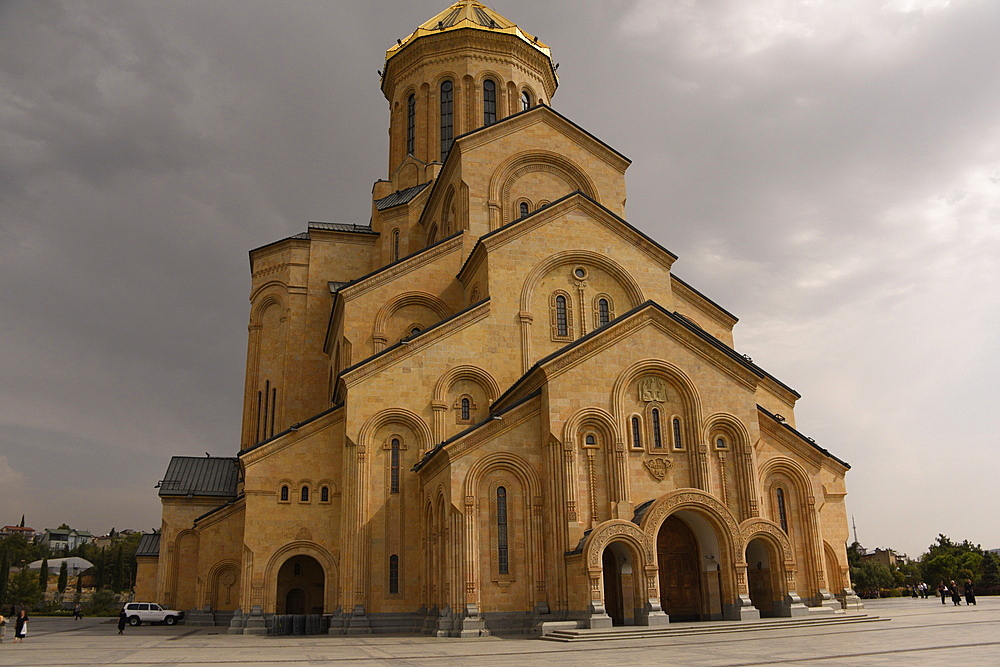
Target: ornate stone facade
496, 405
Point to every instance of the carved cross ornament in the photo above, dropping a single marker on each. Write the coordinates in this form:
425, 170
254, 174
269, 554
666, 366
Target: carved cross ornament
652, 389
657, 467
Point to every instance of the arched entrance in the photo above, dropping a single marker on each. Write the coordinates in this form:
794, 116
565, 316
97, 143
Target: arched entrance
677, 556
619, 584
760, 577
300, 586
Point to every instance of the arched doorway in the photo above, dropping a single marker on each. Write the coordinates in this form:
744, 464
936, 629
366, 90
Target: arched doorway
678, 559
614, 604
760, 577
300, 586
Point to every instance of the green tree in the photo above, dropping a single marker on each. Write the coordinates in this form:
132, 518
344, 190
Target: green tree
23, 589
43, 575
102, 602
871, 577
4, 576
990, 578
79, 587
63, 577
946, 560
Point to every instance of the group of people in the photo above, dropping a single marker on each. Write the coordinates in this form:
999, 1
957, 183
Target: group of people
955, 591
20, 624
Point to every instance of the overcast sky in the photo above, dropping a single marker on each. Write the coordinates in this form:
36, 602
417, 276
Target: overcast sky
827, 171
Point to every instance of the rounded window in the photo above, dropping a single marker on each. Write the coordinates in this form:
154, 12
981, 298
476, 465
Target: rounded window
579, 273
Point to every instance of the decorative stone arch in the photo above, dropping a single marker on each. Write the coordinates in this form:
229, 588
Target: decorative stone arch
780, 557
810, 578
185, 590
729, 425
439, 401
568, 257
501, 94
382, 418
266, 301
756, 527
644, 568
424, 299
600, 418
301, 548
521, 471
446, 216
837, 578
526, 162
731, 564
224, 585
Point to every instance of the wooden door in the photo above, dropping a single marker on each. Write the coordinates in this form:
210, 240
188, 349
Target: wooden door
680, 574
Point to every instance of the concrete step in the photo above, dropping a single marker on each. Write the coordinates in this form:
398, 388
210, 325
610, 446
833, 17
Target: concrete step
704, 628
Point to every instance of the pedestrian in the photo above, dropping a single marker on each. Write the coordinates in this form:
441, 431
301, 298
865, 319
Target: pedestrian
942, 591
76, 612
3, 623
970, 594
956, 595
122, 619
21, 628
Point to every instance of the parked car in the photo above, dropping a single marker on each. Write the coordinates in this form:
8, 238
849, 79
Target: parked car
150, 612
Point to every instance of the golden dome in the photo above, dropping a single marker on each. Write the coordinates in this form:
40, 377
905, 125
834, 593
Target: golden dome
468, 14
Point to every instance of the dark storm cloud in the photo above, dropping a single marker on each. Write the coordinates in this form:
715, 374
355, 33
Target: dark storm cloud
827, 171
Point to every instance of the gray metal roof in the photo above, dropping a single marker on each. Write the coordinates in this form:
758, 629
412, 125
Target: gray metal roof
201, 476
149, 545
399, 197
341, 227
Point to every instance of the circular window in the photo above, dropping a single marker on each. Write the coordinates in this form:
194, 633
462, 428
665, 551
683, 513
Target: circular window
580, 272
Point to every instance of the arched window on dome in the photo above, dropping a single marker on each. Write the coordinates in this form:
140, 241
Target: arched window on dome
447, 118
525, 100
489, 102
411, 123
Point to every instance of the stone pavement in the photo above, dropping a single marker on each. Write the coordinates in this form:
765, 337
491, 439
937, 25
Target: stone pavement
917, 632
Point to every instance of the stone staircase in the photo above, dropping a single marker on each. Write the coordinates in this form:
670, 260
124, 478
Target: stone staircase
559, 632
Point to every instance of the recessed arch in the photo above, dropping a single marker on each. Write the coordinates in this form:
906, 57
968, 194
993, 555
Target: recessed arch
586, 257
526, 162
325, 559
393, 305
388, 416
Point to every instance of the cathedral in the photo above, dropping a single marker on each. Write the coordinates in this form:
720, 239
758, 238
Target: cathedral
495, 408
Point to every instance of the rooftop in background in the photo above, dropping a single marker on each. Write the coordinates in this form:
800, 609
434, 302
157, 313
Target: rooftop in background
200, 476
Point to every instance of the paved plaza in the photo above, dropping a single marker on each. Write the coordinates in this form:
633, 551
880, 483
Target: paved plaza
910, 632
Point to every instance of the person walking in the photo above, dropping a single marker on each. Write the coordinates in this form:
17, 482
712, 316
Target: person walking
76, 612
3, 623
122, 619
956, 595
942, 591
21, 628
970, 594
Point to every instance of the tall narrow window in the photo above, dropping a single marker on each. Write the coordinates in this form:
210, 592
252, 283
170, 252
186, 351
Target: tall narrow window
657, 436
411, 122
395, 245
447, 121
489, 102
257, 432
603, 312
304, 495
525, 100
284, 494
394, 466
393, 574
524, 208
267, 396
274, 407
779, 494
466, 409
324, 494
636, 434
677, 434
502, 561
562, 323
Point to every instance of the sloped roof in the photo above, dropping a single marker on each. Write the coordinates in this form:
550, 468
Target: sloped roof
149, 545
399, 197
468, 14
200, 476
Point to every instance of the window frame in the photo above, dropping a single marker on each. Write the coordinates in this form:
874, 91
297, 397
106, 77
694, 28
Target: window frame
446, 108
489, 102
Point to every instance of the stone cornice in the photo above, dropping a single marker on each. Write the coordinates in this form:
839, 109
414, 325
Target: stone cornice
292, 435
703, 303
221, 513
799, 443
577, 201
406, 348
404, 266
491, 429
544, 115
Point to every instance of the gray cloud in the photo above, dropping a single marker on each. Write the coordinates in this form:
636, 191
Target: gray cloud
830, 172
